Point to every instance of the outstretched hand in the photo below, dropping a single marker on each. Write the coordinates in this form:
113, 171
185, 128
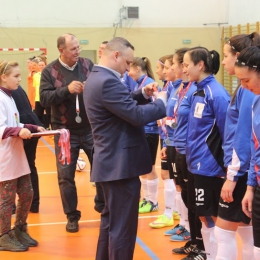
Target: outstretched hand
151, 88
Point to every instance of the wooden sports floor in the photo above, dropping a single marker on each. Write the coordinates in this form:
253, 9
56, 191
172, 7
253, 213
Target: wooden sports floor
48, 226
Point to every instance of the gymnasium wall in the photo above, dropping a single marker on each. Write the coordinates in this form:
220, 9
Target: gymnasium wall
150, 42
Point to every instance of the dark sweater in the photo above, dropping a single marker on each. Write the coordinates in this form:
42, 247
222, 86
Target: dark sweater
27, 116
54, 92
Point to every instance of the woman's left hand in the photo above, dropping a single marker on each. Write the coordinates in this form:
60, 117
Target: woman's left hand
227, 191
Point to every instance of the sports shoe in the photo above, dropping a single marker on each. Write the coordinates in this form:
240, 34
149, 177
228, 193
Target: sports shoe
183, 236
176, 215
142, 203
186, 249
196, 254
162, 221
149, 207
72, 225
9, 242
23, 237
176, 230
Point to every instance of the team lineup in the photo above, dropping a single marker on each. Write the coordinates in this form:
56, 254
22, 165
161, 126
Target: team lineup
209, 145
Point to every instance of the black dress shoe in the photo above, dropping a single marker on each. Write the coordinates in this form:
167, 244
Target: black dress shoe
34, 209
72, 226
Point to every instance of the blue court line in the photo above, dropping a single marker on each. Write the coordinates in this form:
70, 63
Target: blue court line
47, 144
146, 249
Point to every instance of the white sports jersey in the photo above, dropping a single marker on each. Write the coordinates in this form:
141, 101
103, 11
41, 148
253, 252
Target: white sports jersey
13, 160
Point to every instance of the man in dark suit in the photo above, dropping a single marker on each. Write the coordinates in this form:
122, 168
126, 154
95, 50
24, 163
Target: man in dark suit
121, 153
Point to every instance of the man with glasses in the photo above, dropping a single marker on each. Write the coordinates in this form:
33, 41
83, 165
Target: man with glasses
62, 84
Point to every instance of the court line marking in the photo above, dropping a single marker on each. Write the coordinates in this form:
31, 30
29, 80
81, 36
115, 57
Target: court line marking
146, 249
81, 221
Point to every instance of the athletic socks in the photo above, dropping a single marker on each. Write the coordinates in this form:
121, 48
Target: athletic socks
209, 240
227, 245
184, 216
152, 186
246, 234
256, 252
145, 188
169, 197
179, 201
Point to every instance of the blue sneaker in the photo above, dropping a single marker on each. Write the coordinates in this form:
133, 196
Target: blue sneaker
183, 236
176, 230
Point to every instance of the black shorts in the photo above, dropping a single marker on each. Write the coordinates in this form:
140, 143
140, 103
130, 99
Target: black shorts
153, 140
256, 217
181, 168
164, 164
233, 211
171, 156
207, 191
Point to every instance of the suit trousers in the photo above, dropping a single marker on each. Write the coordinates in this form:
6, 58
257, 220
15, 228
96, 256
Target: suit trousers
119, 219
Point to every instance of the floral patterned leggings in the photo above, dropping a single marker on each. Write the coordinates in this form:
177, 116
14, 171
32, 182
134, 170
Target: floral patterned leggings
8, 189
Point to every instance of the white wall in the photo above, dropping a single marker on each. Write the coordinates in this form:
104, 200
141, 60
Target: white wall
105, 13
243, 11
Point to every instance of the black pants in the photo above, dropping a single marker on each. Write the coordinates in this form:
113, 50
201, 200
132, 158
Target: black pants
119, 219
186, 181
30, 146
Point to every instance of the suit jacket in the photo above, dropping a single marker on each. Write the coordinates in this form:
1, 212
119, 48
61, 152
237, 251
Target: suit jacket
117, 121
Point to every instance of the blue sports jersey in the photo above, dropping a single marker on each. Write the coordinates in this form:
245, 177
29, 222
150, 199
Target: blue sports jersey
205, 132
185, 98
238, 129
162, 128
151, 128
254, 172
172, 98
128, 82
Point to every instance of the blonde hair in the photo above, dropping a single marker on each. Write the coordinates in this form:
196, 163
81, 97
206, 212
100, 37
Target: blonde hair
7, 66
145, 65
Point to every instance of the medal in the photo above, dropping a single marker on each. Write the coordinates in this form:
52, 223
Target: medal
78, 119
174, 125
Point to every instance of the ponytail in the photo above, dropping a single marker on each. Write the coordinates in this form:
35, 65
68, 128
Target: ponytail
145, 65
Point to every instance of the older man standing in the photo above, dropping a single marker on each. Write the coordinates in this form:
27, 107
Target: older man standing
120, 147
62, 83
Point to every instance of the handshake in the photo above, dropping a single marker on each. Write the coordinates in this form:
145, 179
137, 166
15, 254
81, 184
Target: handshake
151, 90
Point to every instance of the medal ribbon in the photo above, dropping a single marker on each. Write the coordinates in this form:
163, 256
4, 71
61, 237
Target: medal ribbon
77, 105
64, 144
181, 96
